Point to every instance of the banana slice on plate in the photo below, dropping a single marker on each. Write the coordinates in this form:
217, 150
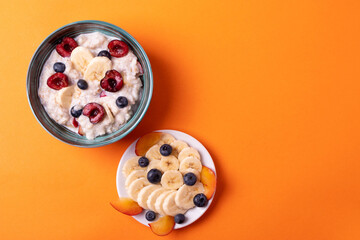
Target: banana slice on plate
185, 195
144, 195
188, 152
97, 68
154, 153
153, 164
169, 163
150, 203
131, 165
81, 57
190, 162
135, 174
172, 179
64, 96
169, 206
136, 186
160, 201
177, 147
166, 138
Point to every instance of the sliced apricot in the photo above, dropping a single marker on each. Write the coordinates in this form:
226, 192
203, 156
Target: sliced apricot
145, 142
208, 179
127, 206
163, 226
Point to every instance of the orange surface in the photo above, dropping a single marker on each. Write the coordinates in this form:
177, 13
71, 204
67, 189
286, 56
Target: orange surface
271, 88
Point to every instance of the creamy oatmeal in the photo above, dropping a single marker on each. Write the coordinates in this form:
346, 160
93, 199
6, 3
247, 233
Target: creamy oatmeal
90, 84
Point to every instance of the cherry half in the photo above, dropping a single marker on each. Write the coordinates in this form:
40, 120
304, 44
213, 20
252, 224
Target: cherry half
58, 81
94, 111
66, 46
118, 48
112, 82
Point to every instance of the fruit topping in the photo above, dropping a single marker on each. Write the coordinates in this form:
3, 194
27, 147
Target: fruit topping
103, 94
75, 123
150, 215
122, 102
58, 81
145, 142
97, 68
190, 179
94, 111
179, 218
165, 149
76, 111
82, 84
80, 131
143, 162
208, 179
200, 200
59, 67
118, 48
112, 82
127, 206
104, 53
163, 226
80, 58
154, 176
66, 46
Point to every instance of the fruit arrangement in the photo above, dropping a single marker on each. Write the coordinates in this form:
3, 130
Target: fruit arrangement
100, 75
166, 178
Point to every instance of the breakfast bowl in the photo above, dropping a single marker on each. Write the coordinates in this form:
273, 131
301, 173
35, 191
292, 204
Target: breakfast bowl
43, 53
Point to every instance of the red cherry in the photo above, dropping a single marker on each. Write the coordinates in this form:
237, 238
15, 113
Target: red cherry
118, 48
94, 111
75, 123
58, 81
66, 46
103, 94
112, 82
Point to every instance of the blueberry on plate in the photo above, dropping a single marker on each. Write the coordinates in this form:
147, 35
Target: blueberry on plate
82, 84
200, 200
190, 179
122, 102
59, 67
165, 149
104, 53
75, 112
154, 175
150, 215
179, 218
143, 162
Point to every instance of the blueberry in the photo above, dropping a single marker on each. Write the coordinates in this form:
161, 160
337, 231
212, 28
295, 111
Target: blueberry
59, 67
121, 102
104, 53
82, 84
75, 113
143, 162
150, 215
154, 175
190, 179
165, 149
200, 200
179, 218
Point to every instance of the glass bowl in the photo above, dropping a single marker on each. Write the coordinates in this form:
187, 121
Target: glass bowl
39, 59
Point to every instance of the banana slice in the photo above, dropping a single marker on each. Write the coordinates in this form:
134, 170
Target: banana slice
64, 97
177, 147
153, 197
169, 163
153, 164
160, 201
81, 57
136, 186
136, 174
190, 162
108, 112
185, 195
166, 138
172, 179
144, 195
131, 165
154, 153
169, 206
188, 152
194, 171
97, 68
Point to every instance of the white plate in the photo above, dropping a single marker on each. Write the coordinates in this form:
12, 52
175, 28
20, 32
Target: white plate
191, 215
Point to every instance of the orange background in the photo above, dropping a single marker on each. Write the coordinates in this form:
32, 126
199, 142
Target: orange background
271, 88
